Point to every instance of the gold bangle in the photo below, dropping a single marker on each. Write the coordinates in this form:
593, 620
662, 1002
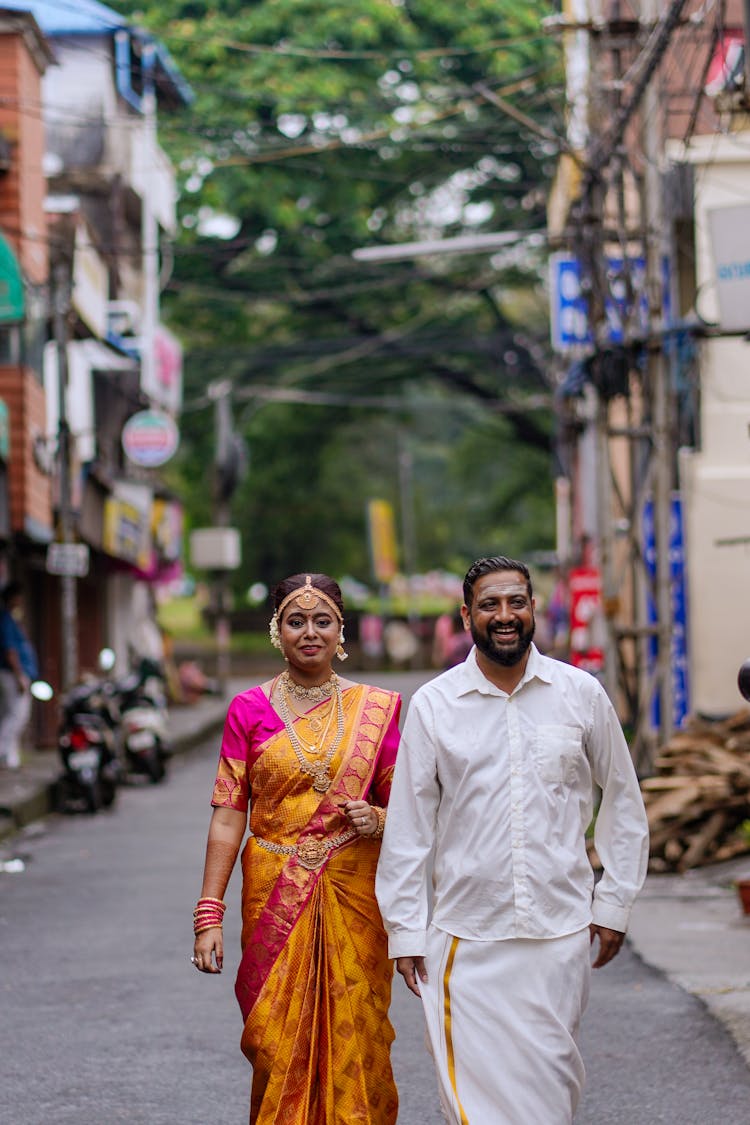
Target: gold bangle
378, 833
202, 929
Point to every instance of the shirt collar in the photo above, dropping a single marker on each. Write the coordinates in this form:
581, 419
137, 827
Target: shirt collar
472, 678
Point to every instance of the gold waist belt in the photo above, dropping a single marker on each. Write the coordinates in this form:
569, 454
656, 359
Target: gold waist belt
310, 851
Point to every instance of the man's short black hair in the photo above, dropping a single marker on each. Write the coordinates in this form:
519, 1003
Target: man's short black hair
491, 566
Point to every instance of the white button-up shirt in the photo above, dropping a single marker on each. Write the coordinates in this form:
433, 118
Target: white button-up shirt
497, 790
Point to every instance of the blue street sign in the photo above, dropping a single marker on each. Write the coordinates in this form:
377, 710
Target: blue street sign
679, 649
569, 320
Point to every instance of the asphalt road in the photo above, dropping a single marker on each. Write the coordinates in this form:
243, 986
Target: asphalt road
103, 1019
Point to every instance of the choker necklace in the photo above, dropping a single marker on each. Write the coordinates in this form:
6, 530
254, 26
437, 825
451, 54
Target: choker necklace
315, 694
317, 770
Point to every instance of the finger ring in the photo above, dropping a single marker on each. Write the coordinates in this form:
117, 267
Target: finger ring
194, 960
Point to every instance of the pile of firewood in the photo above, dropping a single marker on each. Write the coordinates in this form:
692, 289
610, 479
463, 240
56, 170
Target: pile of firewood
699, 795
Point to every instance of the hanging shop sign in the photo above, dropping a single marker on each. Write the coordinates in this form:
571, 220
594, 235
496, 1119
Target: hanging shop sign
68, 559
150, 438
127, 530
625, 302
730, 245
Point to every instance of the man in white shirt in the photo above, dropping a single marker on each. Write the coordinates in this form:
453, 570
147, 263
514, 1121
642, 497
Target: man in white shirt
494, 788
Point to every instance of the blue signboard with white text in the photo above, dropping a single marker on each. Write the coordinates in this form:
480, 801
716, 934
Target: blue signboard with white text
679, 650
569, 319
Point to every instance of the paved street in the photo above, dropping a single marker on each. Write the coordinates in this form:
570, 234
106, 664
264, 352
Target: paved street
104, 1020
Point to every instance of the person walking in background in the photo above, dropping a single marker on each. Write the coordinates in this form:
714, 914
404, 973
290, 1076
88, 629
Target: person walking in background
495, 784
312, 757
18, 667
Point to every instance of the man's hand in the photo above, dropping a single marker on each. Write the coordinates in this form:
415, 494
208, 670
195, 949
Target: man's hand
610, 943
411, 968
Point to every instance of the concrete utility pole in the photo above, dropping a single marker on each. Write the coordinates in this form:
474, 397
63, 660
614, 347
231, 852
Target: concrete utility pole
221, 392
149, 227
68, 588
657, 252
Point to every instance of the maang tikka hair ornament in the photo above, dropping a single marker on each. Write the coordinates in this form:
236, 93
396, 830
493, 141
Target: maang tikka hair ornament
306, 598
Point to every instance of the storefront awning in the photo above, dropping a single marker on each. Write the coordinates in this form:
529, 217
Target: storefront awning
12, 302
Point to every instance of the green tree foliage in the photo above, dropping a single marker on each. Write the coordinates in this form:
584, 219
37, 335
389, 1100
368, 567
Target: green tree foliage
320, 127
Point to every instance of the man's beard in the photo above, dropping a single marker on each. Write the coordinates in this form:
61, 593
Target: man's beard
508, 655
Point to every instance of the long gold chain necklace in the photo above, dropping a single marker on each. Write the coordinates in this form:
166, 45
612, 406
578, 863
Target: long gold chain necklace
319, 770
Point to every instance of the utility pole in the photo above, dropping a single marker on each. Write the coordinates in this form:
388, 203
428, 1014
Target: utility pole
408, 532
149, 227
68, 588
221, 392
591, 253
657, 252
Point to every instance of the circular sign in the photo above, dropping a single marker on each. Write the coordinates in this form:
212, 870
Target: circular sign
150, 438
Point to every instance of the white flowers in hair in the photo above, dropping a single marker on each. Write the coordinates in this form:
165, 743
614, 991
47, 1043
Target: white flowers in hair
273, 631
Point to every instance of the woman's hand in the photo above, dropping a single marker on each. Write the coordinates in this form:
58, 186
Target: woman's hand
208, 950
362, 817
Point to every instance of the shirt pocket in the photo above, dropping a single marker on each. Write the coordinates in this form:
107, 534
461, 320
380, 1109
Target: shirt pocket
557, 749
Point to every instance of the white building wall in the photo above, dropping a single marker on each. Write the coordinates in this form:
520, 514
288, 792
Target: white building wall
81, 102
715, 480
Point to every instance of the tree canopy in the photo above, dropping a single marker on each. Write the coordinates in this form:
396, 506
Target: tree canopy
319, 128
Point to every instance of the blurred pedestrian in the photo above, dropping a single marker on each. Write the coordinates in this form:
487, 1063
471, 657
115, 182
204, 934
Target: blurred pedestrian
18, 667
494, 784
311, 755
459, 644
145, 638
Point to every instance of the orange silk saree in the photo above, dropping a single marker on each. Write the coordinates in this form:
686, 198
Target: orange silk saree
314, 982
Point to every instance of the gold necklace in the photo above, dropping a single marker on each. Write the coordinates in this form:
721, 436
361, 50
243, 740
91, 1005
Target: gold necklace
318, 771
316, 725
316, 694
317, 716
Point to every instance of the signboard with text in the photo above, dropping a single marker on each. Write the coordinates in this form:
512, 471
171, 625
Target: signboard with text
68, 559
679, 652
569, 318
730, 246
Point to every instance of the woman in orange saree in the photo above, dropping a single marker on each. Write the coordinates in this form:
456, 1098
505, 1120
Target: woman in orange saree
312, 757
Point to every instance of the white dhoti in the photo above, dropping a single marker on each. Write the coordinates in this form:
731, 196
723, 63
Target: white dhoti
502, 1020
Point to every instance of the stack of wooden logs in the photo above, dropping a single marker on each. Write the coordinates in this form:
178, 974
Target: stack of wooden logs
699, 795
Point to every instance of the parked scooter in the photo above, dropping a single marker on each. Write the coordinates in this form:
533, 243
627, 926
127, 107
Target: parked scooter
143, 717
87, 741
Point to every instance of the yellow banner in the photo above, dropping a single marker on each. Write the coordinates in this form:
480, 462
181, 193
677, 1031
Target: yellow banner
382, 533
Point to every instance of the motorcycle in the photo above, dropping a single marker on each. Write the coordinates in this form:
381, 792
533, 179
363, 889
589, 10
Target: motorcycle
143, 718
87, 742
